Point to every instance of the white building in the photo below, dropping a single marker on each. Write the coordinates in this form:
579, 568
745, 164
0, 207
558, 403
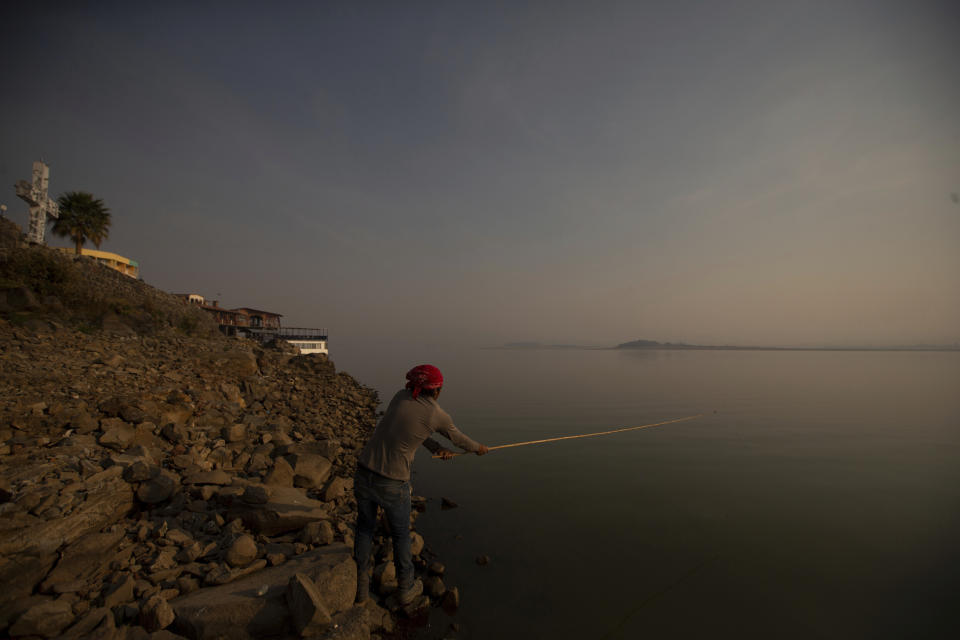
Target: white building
307, 340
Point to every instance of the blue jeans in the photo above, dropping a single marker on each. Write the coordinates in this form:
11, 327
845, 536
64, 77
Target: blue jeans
371, 489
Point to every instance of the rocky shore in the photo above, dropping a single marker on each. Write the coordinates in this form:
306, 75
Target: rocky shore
158, 480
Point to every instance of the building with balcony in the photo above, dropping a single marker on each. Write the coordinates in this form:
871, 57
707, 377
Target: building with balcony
263, 326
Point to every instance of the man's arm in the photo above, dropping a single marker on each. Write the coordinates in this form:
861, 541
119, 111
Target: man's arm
461, 439
437, 449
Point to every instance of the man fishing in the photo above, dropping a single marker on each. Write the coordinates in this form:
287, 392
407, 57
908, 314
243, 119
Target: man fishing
383, 473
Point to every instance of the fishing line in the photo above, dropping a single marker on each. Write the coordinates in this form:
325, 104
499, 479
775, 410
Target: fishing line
583, 435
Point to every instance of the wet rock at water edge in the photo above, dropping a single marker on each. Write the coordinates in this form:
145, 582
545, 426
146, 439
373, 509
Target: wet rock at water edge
416, 544
434, 587
451, 600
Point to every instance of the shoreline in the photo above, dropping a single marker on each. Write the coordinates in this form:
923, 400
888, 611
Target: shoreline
158, 477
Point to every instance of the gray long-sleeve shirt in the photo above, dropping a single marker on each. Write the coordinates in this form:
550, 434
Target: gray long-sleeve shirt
407, 424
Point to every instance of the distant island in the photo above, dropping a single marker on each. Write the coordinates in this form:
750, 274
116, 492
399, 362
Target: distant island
682, 346
653, 344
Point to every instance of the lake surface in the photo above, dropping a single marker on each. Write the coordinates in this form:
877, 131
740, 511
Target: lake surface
817, 497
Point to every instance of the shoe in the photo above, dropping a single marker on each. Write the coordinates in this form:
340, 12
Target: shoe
406, 596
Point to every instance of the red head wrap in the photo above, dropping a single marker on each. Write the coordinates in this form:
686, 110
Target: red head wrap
424, 376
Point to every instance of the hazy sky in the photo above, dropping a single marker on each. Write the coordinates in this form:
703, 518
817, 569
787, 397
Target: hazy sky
588, 172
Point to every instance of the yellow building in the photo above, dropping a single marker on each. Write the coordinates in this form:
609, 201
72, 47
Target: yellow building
126, 266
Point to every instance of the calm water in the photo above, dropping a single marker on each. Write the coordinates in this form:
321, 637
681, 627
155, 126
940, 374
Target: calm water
818, 496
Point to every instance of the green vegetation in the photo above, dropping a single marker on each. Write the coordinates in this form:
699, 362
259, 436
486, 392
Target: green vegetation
82, 218
40, 271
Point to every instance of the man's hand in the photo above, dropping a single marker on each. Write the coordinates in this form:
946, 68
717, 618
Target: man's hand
482, 451
445, 454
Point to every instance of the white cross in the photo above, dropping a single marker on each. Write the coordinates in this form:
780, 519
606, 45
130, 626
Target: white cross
41, 205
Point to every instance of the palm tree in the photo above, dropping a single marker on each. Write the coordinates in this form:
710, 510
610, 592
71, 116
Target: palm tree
82, 218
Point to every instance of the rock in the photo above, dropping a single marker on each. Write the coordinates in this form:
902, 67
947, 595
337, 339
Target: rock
156, 614
281, 474
164, 560
234, 433
132, 414
243, 609
336, 488
96, 623
436, 568
120, 591
224, 575
416, 543
109, 498
241, 552
378, 618
83, 423
434, 587
235, 363
46, 620
117, 434
385, 577
288, 509
258, 462
158, 488
352, 624
451, 600
483, 560
138, 471
216, 476
320, 532
20, 572
256, 494
174, 432
178, 537
86, 559
189, 553
309, 470
310, 616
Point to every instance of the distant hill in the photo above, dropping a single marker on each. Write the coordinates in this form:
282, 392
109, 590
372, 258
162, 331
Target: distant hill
653, 344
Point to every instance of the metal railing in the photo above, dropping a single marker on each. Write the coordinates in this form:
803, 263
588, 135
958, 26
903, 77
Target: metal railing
265, 334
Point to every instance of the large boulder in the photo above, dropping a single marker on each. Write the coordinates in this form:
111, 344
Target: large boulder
86, 559
46, 619
20, 572
256, 606
310, 615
